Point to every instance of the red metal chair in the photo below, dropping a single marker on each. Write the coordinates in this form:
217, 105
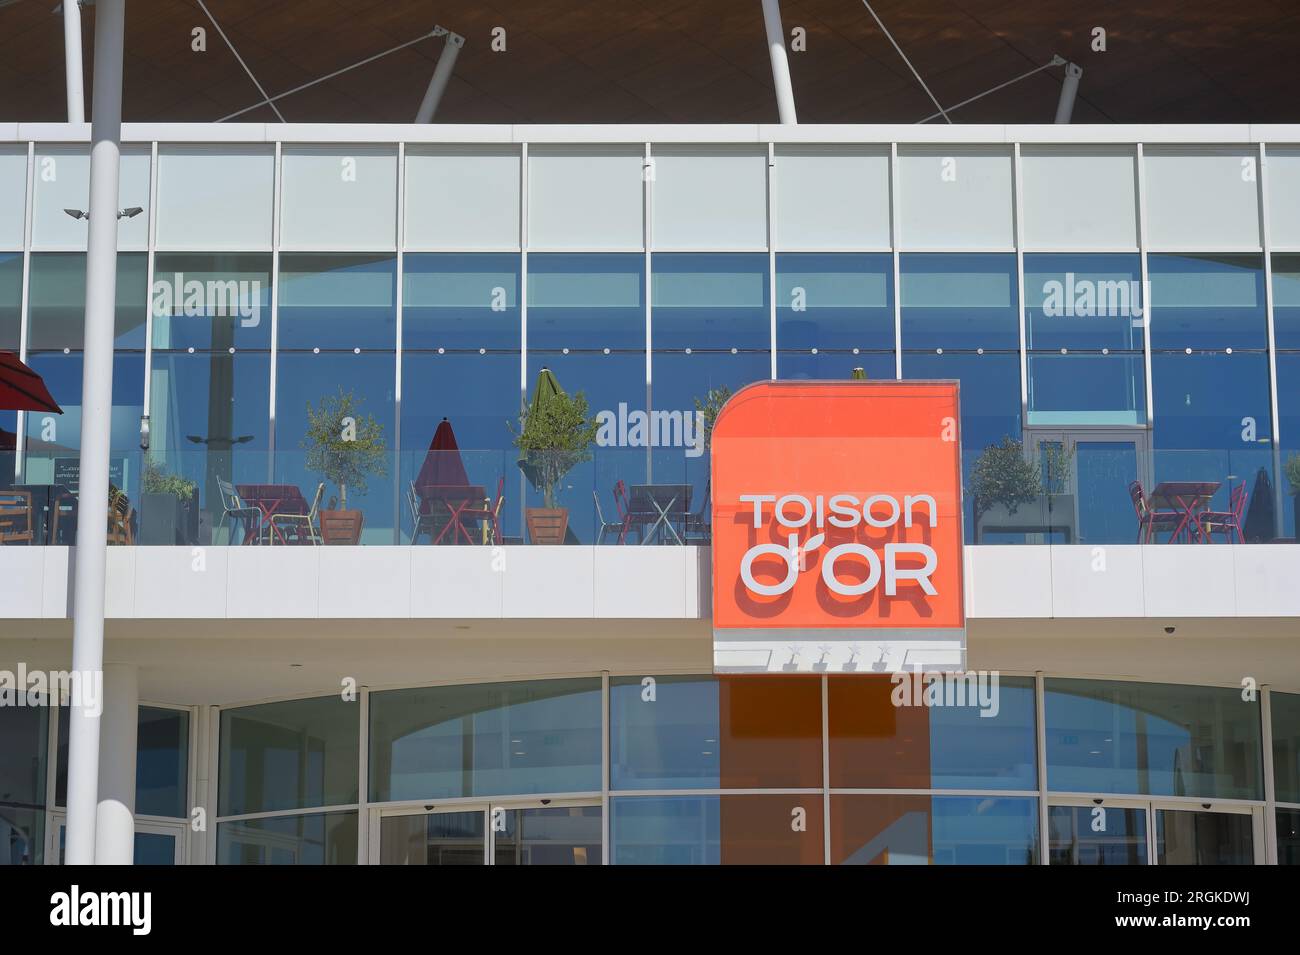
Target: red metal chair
489, 513
1148, 519
1228, 521
623, 502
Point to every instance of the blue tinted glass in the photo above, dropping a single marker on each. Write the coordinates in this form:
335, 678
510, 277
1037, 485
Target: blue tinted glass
834, 301
990, 392
959, 301
162, 762
337, 300
216, 301
1202, 399
1084, 302
665, 735
1288, 401
938, 830
1087, 388
486, 740
1286, 301
876, 366
11, 299
306, 379
1105, 509
665, 830
461, 301
154, 848
970, 749
1207, 301
56, 302
1150, 738
710, 301
317, 839
49, 436
589, 302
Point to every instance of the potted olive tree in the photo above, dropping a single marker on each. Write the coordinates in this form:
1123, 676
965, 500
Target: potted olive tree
555, 433
709, 408
1012, 493
345, 449
168, 506
1292, 471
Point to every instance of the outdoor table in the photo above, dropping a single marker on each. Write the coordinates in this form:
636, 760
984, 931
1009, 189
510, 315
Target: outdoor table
1189, 499
660, 505
456, 499
271, 499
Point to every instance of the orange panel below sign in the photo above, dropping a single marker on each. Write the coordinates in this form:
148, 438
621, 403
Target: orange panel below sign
837, 528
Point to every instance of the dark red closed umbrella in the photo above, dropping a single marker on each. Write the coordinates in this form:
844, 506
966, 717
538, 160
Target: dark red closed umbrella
21, 389
443, 466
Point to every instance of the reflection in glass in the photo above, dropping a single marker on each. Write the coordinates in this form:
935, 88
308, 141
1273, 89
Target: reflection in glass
1151, 738
291, 755
1288, 836
436, 838
22, 835
1203, 838
154, 848
316, 839
11, 299
665, 740
665, 830
1207, 301
485, 739
162, 762
1096, 835
550, 836
959, 301
933, 830
838, 301
1286, 745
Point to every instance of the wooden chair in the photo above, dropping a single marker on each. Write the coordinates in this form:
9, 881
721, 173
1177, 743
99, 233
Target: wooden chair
120, 515
15, 517
300, 522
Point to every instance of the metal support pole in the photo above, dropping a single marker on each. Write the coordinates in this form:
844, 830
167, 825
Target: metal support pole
441, 76
1069, 90
115, 819
780, 63
72, 61
96, 408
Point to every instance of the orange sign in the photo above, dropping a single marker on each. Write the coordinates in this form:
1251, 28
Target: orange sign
837, 527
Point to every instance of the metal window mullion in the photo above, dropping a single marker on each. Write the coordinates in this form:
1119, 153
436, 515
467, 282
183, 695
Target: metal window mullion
523, 319
20, 441
604, 767
277, 198
1017, 203
51, 779
214, 764
1149, 311
1270, 784
397, 358
895, 230
196, 758
148, 289
1040, 755
826, 771
771, 256
363, 781
1279, 508
647, 240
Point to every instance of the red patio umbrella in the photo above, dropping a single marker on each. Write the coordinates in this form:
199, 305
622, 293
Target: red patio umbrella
21, 389
443, 466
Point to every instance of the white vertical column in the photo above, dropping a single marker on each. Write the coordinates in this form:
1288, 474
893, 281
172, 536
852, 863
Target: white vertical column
1266, 238
115, 818
1018, 231
1040, 756
780, 62
97, 400
1270, 783
72, 61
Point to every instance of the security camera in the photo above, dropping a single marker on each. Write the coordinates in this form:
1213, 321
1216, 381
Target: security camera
1170, 629
546, 802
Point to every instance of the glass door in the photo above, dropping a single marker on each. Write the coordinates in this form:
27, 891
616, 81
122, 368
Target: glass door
529, 833
1113, 833
1202, 837
1109, 831
1086, 473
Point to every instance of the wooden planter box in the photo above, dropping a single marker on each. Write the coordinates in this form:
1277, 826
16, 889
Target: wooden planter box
341, 527
547, 525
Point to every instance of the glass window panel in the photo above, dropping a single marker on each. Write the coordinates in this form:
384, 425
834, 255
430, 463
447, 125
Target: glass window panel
13, 196
876, 744
1204, 301
338, 197
666, 830
1201, 401
556, 835
462, 197
1286, 746
990, 392
959, 301
23, 739
486, 739
1288, 837
154, 848
955, 197
837, 364
291, 755
1087, 389
1286, 301
759, 830
1288, 400
215, 197
588, 197
54, 437
586, 301
1152, 739
162, 762
770, 733
1096, 835
832, 197
710, 301
710, 197
338, 301
22, 836
1284, 196
307, 380
664, 733
11, 300
57, 301
1201, 198
933, 830
214, 300
436, 838
1203, 838
62, 181
461, 301
317, 839
835, 301
1079, 198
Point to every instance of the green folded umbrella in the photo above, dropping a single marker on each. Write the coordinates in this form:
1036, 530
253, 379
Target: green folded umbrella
546, 389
